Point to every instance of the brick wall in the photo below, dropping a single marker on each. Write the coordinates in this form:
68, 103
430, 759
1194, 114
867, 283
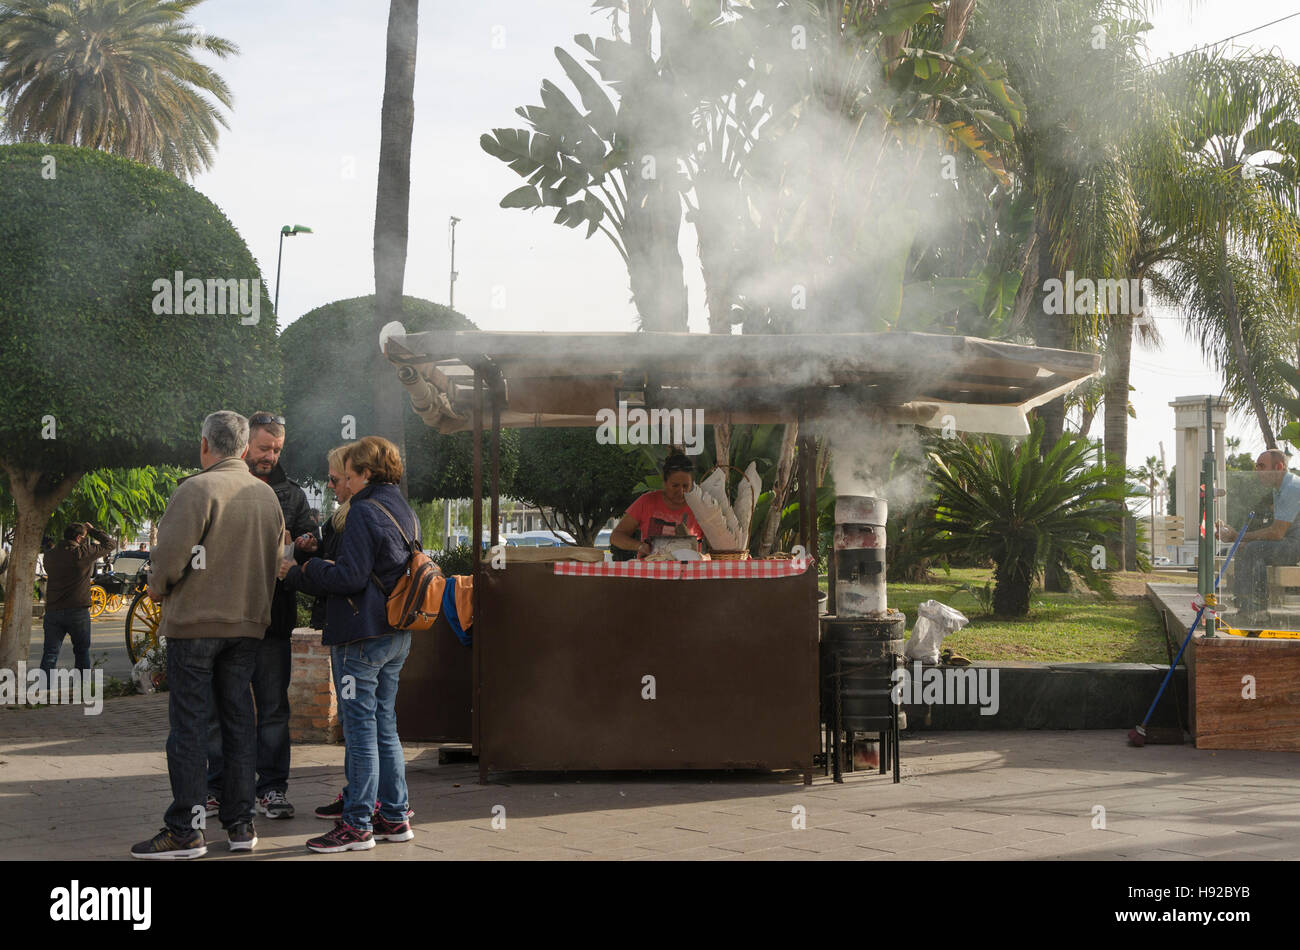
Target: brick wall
313, 707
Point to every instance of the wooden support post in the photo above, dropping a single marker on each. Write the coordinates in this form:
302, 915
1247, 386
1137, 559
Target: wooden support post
808, 475
497, 393
476, 538
476, 535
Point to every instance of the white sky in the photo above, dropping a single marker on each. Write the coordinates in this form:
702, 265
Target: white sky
308, 86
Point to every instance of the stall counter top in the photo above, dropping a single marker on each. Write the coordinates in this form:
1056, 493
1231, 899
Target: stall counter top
687, 570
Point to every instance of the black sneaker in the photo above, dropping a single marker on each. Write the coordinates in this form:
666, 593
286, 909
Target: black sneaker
334, 811
343, 838
331, 812
274, 805
386, 830
168, 846
410, 813
242, 836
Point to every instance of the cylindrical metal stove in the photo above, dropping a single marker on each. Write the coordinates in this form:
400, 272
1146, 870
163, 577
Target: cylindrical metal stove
860, 555
868, 651
862, 642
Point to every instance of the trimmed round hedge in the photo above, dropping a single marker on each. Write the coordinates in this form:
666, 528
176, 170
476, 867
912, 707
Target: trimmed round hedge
84, 237
327, 366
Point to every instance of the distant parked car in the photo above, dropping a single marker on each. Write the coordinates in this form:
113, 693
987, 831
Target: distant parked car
1161, 561
540, 539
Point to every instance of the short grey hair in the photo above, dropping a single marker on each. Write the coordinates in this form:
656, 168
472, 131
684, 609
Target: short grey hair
227, 433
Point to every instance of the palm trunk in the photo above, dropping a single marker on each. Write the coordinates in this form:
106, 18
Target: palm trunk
1228, 295
392, 209
1011, 585
35, 502
654, 211
780, 488
1051, 330
1119, 351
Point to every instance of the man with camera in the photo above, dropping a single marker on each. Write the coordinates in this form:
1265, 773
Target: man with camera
69, 566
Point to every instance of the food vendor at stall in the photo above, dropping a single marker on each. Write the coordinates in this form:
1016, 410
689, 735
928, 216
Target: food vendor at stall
662, 513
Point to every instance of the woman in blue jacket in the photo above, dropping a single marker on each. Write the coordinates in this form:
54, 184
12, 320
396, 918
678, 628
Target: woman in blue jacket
367, 654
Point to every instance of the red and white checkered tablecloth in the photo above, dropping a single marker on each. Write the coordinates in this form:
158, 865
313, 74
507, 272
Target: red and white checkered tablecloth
684, 570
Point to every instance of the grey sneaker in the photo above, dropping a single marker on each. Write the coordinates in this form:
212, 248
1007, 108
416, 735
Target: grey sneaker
242, 836
169, 846
274, 805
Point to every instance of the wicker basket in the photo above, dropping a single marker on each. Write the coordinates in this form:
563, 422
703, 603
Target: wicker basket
729, 555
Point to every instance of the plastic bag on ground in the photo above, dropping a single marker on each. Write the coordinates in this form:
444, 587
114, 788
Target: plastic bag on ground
142, 676
934, 621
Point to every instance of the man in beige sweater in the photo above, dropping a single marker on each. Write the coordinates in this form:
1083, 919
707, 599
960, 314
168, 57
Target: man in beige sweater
213, 570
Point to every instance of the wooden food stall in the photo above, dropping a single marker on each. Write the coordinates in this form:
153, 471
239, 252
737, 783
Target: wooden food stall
668, 665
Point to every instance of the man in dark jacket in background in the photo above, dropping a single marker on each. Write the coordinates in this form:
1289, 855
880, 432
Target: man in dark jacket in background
271, 675
69, 565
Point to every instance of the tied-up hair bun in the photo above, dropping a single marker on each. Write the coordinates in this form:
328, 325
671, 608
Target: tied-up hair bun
678, 461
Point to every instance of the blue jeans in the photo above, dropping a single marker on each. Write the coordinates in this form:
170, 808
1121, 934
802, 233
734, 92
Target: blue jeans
76, 624
1250, 576
271, 693
366, 674
204, 674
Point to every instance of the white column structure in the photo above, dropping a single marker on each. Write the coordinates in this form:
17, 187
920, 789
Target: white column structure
1190, 439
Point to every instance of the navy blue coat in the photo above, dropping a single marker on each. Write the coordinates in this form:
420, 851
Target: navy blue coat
357, 608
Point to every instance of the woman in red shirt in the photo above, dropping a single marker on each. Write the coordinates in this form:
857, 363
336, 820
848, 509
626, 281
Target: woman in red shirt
659, 513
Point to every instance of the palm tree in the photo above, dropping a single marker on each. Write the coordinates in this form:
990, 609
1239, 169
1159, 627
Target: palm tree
610, 168
116, 75
392, 204
1068, 157
1151, 474
1079, 173
1024, 509
1239, 118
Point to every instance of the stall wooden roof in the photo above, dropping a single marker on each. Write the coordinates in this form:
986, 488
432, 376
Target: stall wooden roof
564, 379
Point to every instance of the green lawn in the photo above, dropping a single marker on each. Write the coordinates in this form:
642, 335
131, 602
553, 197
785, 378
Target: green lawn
1060, 627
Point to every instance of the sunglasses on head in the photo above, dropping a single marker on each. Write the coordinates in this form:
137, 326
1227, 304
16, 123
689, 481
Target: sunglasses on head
265, 418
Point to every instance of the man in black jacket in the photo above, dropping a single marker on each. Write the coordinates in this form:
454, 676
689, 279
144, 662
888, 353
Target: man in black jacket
271, 674
69, 566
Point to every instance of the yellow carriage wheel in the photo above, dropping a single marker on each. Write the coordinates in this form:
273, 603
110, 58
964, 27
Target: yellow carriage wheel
115, 602
98, 600
142, 626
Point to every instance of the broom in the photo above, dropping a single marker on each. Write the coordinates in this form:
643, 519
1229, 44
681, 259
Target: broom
1138, 734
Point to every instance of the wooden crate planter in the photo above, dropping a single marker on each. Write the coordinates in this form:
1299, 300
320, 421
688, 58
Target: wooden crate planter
1223, 715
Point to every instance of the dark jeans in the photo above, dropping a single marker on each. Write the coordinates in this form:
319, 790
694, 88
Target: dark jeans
76, 624
1250, 576
204, 674
271, 693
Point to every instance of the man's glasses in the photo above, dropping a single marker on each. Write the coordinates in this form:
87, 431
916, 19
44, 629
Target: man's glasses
265, 418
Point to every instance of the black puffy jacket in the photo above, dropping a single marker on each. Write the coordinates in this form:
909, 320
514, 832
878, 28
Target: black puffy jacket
297, 521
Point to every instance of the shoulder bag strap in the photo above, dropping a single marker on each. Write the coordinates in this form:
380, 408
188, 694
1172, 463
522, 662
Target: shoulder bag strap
410, 546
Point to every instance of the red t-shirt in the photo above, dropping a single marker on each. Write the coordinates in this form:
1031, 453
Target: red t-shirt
657, 519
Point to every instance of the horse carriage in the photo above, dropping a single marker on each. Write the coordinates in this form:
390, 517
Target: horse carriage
127, 580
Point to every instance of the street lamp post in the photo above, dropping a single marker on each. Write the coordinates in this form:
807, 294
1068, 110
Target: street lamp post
451, 283
285, 232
